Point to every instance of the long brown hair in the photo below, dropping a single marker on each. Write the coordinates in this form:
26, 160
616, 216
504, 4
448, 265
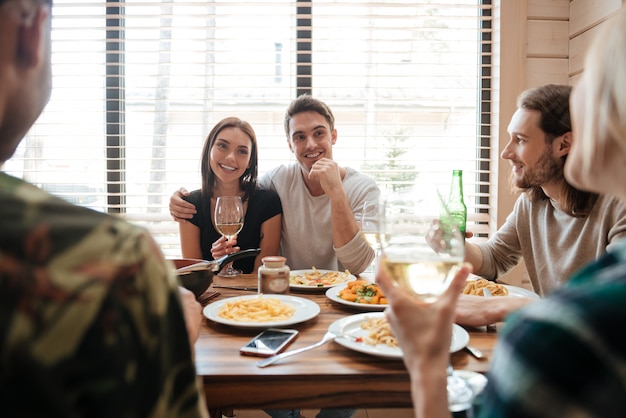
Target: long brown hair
552, 103
248, 180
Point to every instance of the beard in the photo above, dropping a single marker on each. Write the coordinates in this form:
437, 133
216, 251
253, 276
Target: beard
546, 169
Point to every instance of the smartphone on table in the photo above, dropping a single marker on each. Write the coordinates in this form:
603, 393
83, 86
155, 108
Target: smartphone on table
269, 342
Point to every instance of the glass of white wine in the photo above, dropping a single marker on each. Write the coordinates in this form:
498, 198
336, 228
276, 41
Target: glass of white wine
368, 222
229, 217
422, 251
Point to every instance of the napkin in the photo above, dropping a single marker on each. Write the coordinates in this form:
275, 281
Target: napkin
207, 296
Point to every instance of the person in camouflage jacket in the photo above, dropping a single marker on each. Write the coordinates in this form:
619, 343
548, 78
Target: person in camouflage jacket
92, 323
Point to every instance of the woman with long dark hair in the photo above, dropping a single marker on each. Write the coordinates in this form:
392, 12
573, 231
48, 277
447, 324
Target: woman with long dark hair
229, 168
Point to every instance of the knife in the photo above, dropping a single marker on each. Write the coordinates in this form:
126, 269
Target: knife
251, 289
475, 352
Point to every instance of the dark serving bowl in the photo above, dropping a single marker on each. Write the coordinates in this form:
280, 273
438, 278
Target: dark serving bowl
197, 281
200, 278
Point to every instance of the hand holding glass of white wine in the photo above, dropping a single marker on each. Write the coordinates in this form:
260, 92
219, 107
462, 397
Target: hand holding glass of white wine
422, 249
229, 217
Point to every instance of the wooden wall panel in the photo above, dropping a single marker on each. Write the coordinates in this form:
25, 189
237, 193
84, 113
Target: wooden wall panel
585, 14
574, 79
546, 71
586, 18
578, 49
548, 39
548, 9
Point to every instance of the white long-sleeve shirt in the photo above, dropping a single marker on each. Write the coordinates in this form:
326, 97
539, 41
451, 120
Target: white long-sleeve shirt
307, 227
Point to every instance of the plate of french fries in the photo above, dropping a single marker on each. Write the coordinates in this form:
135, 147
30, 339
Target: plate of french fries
256, 311
370, 334
359, 294
318, 279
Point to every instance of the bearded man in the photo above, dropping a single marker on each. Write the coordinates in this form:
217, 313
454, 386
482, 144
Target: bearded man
554, 227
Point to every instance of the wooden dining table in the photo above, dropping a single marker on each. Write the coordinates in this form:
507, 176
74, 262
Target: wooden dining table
329, 376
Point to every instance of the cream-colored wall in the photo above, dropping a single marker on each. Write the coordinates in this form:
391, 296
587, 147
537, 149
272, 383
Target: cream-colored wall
536, 42
586, 17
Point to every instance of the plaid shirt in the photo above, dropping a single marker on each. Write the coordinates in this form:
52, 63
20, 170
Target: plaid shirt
90, 318
566, 355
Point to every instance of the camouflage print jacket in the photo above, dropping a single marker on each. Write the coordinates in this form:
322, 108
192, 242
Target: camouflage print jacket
91, 323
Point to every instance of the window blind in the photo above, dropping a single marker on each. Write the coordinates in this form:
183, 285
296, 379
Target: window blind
139, 84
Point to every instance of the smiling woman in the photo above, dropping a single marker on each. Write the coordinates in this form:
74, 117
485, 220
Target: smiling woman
229, 169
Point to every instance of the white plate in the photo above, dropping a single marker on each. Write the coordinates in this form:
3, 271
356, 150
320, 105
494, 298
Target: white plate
351, 325
521, 292
333, 292
305, 287
305, 310
513, 290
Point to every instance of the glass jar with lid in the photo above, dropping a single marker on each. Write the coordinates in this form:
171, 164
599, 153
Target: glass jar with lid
274, 275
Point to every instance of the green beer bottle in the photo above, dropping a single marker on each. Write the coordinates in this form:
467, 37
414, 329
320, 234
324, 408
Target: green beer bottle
455, 205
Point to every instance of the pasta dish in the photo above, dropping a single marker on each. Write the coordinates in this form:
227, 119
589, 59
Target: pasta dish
257, 309
379, 332
316, 278
475, 287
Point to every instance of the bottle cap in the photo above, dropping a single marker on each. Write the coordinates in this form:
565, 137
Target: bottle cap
274, 261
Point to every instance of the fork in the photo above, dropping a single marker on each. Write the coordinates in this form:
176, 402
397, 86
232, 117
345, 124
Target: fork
329, 336
490, 327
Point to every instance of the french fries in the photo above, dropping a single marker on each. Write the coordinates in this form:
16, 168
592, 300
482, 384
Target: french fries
362, 291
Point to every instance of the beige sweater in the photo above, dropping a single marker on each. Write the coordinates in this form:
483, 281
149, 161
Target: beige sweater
553, 244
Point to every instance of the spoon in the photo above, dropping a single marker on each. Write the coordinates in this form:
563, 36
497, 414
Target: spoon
475, 352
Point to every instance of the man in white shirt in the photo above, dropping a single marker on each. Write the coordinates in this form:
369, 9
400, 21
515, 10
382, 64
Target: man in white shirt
321, 201
320, 198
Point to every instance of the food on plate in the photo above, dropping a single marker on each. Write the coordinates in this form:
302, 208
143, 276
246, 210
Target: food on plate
258, 309
475, 287
380, 332
362, 291
316, 278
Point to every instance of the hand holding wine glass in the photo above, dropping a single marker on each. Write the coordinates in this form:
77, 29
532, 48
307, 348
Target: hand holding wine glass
420, 265
229, 216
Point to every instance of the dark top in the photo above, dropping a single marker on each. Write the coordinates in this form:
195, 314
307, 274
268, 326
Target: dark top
263, 205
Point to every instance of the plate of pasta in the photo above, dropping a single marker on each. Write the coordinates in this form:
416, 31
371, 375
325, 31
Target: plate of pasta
520, 292
314, 279
474, 286
360, 294
255, 311
371, 334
